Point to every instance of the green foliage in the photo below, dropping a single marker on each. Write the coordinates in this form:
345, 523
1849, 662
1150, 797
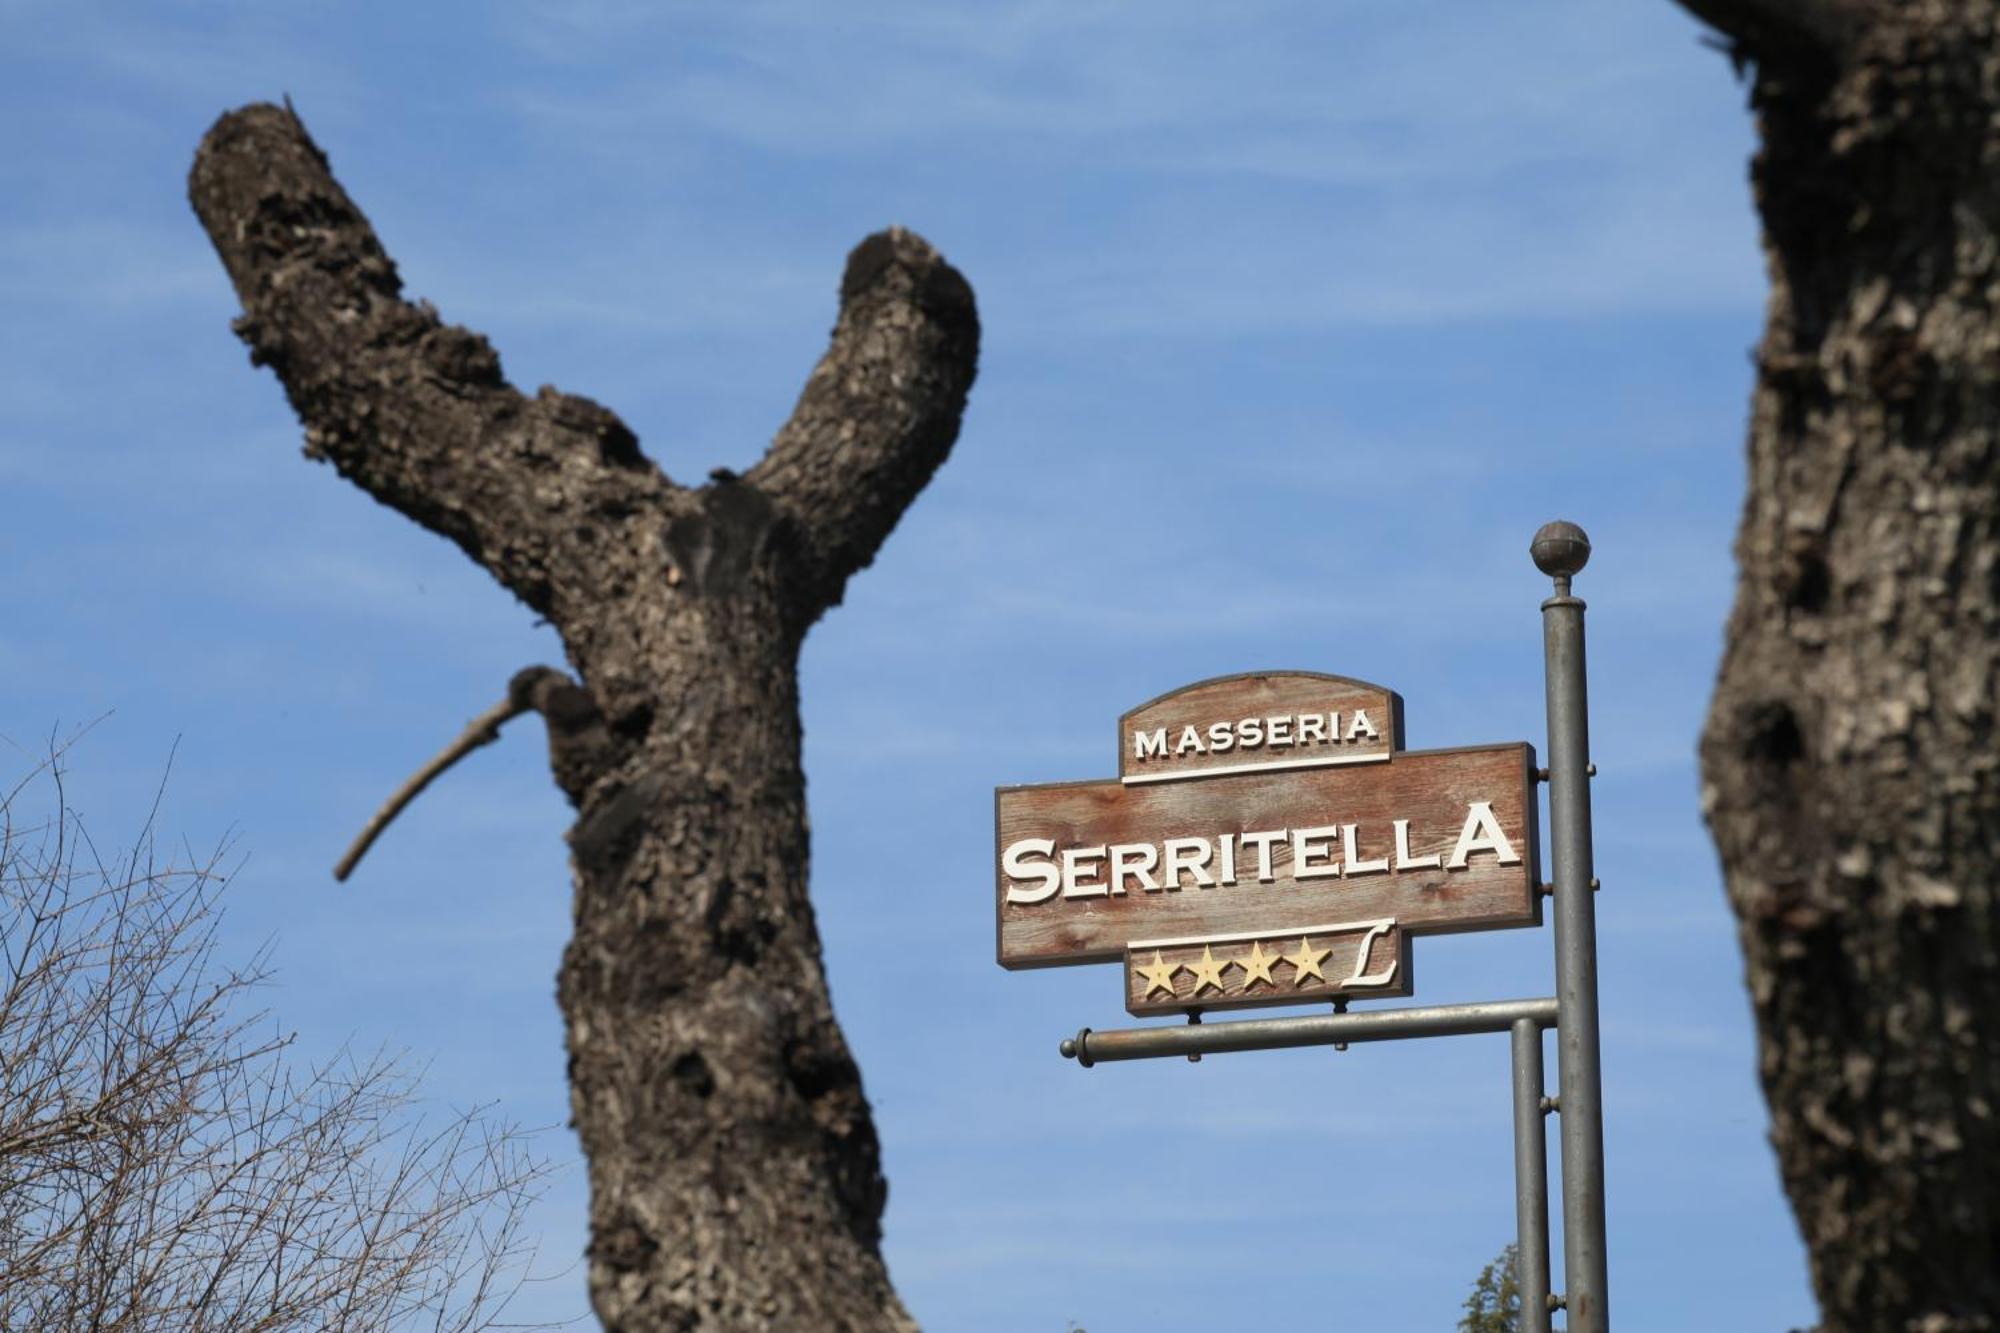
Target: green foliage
1495, 1303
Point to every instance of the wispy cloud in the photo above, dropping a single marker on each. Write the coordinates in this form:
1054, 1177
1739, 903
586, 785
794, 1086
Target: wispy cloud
1485, 164
113, 267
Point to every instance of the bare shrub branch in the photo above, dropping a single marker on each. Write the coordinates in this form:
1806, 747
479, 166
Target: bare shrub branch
165, 1165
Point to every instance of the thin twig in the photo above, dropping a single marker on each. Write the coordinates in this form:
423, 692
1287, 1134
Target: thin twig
482, 730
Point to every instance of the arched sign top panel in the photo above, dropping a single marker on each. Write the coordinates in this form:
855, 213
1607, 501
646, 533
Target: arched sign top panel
1258, 722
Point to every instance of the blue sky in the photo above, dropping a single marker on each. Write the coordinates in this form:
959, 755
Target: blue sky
1299, 319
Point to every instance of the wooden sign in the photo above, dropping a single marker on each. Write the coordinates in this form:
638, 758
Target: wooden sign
1258, 806
1258, 724
1241, 971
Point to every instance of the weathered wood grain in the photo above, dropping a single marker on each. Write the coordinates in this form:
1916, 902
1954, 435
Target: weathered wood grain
1433, 790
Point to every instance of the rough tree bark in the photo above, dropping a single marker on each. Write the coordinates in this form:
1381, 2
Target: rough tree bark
734, 1169
1851, 778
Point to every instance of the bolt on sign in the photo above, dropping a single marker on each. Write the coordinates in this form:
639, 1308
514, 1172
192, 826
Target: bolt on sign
1267, 840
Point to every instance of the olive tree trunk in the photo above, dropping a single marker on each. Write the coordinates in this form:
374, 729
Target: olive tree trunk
1850, 772
734, 1169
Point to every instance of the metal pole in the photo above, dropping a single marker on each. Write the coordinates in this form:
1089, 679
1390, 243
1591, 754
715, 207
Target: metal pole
1560, 550
1531, 1180
1088, 1048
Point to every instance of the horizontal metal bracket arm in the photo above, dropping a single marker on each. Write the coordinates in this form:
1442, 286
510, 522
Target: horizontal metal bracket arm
1089, 1048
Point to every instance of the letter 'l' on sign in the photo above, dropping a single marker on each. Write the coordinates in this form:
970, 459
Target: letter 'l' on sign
1259, 806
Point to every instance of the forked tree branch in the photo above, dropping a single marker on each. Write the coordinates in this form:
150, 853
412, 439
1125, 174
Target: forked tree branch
680, 610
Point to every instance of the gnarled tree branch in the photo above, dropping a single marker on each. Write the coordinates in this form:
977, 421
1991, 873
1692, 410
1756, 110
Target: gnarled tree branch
881, 409
412, 410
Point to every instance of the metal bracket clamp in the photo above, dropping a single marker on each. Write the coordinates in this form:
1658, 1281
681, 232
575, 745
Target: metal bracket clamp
1542, 774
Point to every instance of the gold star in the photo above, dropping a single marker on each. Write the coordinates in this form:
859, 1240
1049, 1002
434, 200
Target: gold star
1207, 972
1160, 976
1257, 967
1306, 962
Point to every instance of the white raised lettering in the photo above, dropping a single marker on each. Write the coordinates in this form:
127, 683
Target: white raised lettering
1227, 842
1361, 976
1190, 741
1188, 856
1220, 737
1277, 732
1359, 726
1404, 861
1262, 842
1308, 843
1312, 727
1481, 834
1249, 733
1076, 863
1017, 862
1150, 744
1355, 865
1136, 860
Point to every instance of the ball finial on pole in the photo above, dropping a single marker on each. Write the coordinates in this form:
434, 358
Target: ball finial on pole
1560, 550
